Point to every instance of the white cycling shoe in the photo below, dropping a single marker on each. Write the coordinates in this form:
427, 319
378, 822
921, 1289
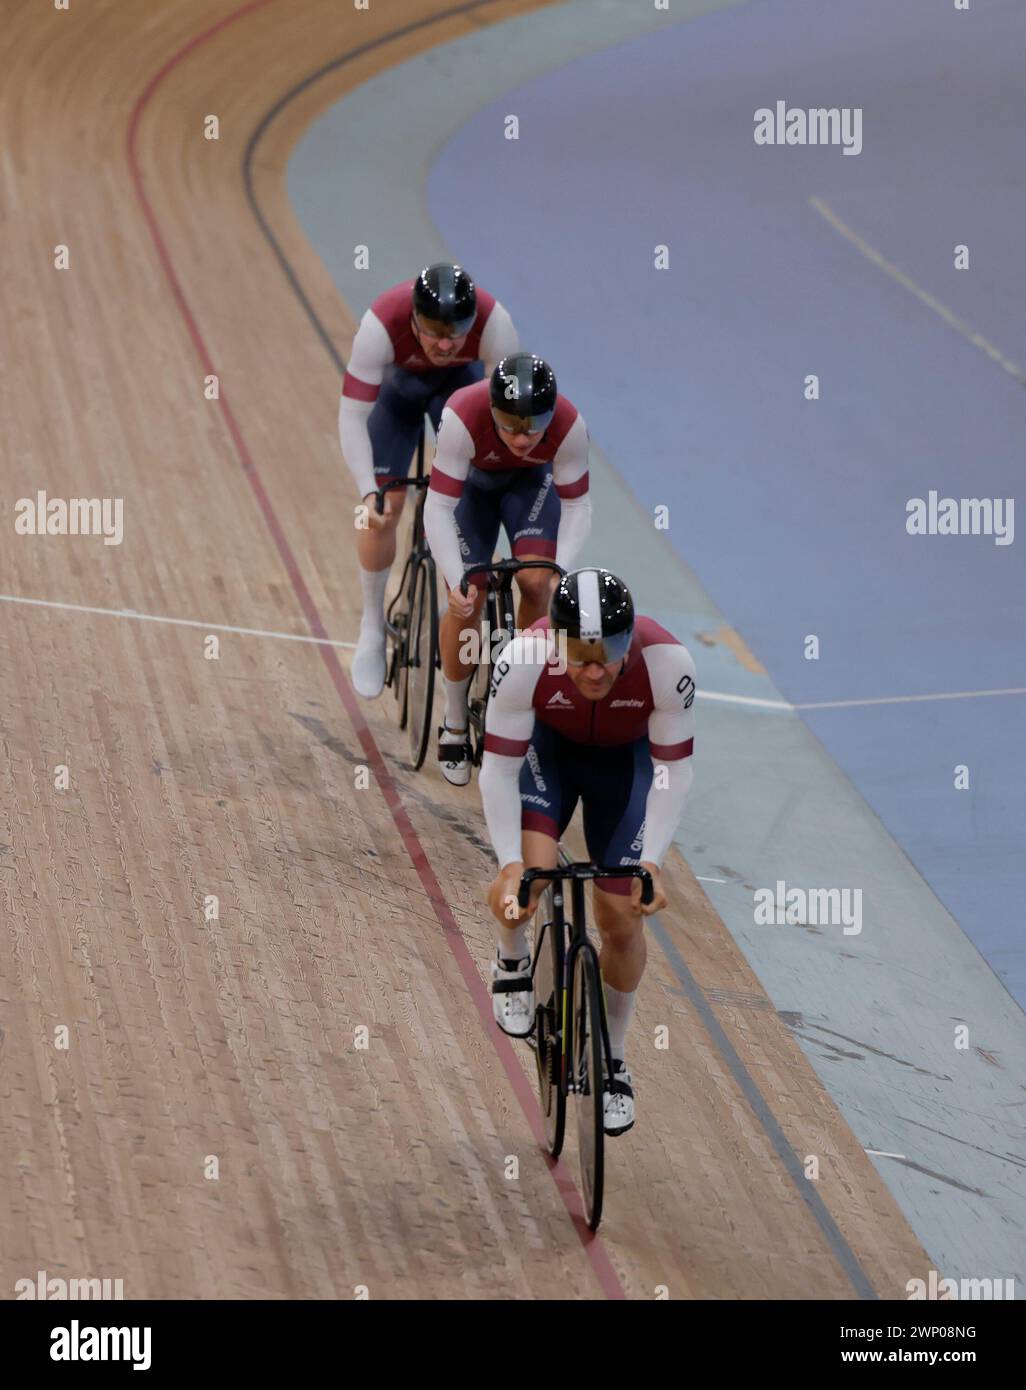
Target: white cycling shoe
455, 755
369, 664
617, 1100
513, 996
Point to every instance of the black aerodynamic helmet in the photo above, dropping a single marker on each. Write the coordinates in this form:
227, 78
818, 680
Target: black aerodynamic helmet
525, 386
592, 605
446, 294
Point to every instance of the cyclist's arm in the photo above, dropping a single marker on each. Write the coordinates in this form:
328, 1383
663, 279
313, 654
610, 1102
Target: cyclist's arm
449, 471
499, 338
570, 475
509, 724
371, 353
671, 735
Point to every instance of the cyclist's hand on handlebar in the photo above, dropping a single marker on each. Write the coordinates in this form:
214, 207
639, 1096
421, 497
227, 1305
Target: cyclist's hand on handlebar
502, 896
377, 521
659, 898
460, 606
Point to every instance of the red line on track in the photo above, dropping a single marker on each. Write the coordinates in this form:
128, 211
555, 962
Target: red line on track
595, 1250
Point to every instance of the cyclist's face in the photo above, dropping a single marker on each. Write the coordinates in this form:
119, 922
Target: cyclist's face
512, 430
593, 677
439, 342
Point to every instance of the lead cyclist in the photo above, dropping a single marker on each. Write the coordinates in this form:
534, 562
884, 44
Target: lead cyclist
612, 726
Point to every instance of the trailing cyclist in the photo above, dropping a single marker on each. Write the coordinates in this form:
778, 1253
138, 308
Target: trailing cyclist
612, 726
418, 343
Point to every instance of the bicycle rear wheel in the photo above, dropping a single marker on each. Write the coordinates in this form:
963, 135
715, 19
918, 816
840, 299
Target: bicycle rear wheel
548, 1025
587, 1080
423, 645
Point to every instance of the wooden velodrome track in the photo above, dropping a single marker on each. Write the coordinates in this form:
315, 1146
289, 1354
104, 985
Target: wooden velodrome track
339, 908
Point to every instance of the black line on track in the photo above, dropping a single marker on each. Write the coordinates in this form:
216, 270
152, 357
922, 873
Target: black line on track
272, 112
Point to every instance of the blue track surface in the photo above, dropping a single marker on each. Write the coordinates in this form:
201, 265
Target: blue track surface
792, 513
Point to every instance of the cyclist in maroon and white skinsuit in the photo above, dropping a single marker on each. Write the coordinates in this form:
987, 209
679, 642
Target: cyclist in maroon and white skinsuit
417, 343
493, 469
613, 728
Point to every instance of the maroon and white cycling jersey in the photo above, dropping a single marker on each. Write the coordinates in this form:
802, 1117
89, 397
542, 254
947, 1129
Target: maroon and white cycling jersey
385, 338
468, 439
652, 698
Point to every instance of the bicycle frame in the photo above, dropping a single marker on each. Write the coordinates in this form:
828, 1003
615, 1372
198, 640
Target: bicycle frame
501, 618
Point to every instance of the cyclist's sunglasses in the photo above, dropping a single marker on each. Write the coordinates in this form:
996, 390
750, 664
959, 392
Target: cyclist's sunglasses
606, 651
521, 424
435, 330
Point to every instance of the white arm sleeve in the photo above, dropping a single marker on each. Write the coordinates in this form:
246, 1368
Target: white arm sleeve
664, 808
371, 353
569, 467
509, 725
355, 441
452, 464
671, 734
499, 338
499, 782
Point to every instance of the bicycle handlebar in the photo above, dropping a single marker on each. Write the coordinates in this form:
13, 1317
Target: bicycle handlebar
379, 496
585, 871
507, 569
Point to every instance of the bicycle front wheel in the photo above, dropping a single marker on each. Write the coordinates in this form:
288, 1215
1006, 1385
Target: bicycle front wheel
423, 645
586, 1060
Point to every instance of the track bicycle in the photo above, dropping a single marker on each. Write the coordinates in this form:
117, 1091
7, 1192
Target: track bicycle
571, 1037
411, 620
500, 617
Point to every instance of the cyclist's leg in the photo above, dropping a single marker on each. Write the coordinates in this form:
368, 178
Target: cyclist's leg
393, 426
477, 522
549, 791
547, 804
614, 819
547, 798
530, 514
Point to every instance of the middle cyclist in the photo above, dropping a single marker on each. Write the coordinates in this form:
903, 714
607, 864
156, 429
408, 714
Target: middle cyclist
511, 452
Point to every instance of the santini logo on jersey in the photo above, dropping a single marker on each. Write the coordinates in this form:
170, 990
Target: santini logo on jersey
559, 701
620, 704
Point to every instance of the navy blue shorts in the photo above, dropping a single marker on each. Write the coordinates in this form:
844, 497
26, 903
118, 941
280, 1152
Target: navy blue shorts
394, 423
611, 783
522, 500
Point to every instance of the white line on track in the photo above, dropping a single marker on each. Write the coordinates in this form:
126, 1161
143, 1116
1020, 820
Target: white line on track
175, 622
977, 339
713, 695
911, 699
879, 1153
701, 879
718, 695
